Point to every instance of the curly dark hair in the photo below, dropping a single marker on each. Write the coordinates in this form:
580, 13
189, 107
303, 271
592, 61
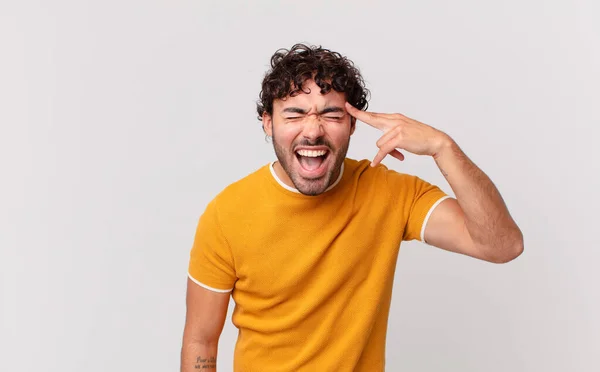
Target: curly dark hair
330, 70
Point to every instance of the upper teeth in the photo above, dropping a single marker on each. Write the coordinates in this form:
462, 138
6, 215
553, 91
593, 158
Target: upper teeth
311, 153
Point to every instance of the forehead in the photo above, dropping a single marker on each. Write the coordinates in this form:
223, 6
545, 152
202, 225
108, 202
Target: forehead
312, 99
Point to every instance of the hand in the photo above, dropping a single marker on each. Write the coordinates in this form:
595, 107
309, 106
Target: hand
401, 132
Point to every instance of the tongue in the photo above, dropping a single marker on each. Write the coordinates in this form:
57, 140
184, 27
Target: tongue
310, 163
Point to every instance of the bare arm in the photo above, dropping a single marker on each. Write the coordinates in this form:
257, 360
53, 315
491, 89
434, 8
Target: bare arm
205, 317
477, 223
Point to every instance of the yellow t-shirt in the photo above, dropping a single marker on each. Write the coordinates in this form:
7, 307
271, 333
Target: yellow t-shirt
311, 276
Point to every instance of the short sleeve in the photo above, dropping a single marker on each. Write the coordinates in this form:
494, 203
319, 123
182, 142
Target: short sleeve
418, 199
211, 261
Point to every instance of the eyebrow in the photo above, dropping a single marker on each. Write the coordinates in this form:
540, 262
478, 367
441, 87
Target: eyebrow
326, 110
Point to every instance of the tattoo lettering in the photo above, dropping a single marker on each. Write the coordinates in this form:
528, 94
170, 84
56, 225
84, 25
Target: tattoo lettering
204, 363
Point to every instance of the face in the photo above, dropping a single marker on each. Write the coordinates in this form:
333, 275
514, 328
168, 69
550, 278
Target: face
311, 133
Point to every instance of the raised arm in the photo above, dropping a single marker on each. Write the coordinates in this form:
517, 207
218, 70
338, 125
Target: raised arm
205, 317
476, 223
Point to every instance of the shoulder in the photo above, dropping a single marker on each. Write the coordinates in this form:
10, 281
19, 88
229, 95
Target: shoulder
385, 183
238, 195
382, 175
246, 184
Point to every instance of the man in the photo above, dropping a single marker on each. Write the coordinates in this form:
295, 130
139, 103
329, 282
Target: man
307, 245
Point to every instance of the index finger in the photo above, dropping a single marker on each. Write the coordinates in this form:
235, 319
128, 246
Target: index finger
366, 117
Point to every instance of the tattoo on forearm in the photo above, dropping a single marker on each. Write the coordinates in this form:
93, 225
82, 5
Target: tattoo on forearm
204, 363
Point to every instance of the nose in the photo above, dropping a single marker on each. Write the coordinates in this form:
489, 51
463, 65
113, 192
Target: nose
313, 127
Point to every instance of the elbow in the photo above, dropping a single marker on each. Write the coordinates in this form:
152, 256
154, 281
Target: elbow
512, 254
510, 251
200, 338
197, 347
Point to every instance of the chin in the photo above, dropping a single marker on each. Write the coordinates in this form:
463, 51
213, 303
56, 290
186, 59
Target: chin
312, 190
312, 187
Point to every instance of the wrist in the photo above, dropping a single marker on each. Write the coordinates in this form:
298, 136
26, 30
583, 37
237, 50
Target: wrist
445, 145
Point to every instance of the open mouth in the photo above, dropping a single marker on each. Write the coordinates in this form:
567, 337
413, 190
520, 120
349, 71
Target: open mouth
312, 162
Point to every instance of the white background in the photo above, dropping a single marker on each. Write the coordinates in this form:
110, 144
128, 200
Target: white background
120, 120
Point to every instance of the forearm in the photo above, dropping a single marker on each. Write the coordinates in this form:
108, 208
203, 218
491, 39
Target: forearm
487, 218
197, 356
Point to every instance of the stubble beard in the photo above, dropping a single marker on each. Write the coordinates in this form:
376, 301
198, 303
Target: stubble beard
310, 187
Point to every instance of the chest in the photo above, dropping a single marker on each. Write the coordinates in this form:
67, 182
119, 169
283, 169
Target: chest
331, 248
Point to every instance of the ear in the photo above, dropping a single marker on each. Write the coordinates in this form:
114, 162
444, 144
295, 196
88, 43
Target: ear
352, 125
267, 121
